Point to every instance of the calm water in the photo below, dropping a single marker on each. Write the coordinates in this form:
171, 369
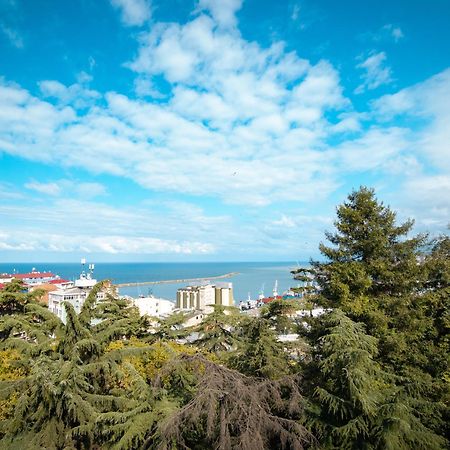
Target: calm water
251, 279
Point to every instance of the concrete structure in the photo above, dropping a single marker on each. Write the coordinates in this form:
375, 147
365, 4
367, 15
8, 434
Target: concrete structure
201, 298
76, 293
153, 306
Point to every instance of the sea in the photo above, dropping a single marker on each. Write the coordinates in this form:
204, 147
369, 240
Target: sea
251, 279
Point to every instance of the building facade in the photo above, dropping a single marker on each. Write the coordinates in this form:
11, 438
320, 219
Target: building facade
75, 294
153, 306
201, 298
30, 279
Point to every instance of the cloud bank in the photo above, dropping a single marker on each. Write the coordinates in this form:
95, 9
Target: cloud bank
235, 122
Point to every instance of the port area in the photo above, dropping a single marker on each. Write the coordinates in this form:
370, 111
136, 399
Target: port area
183, 280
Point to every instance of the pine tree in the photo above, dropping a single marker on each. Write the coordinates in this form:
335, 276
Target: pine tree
281, 313
233, 411
354, 403
370, 255
216, 332
379, 276
259, 353
79, 394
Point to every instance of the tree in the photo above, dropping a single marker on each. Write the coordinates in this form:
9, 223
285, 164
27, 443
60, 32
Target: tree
279, 313
232, 411
370, 253
78, 394
170, 328
381, 277
259, 353
217, 330
354, 403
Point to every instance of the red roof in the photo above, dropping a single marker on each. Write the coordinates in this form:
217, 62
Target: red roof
33, 275
58, 281
271, 299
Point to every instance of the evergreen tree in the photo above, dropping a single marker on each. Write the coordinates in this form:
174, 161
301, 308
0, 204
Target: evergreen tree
216, 332
233, 411
379, 276
78, 394
281, 313
22, 316
370, 255
354, 403
170, 328
259, 353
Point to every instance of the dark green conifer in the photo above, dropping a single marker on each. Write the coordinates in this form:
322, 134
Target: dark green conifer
379, 276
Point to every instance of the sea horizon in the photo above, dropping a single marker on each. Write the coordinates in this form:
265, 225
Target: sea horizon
252, 277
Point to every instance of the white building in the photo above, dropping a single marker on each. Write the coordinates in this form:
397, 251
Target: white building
32, 278
153, 306
75, 294
201, 298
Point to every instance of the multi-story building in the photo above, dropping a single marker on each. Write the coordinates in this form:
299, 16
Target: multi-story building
75, 294
153, 306
201, 298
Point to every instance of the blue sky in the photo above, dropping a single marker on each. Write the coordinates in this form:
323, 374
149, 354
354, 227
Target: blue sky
136, 130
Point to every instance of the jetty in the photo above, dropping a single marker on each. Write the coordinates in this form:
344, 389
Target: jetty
183, 280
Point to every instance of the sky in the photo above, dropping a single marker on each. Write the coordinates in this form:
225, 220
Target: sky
216, 130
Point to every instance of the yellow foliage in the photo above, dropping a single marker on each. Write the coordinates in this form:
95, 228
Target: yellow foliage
9, 371
150, 364
8, 368
115, 345
7, 406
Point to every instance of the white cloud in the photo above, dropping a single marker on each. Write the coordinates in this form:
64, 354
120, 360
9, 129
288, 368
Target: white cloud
285, 221
396, 32
133, 12
425, 198
428, 103
111, 244
387, 33
243, 139
95, 227
88, 190
68, 187
375, 150
9, 191
295, 12
223, 11
13, 36
376, 72
242, 124
78, 94
44, 188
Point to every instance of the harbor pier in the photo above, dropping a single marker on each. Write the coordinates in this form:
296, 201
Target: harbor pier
182, 280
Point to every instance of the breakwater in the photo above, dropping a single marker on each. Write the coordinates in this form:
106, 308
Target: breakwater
185, 280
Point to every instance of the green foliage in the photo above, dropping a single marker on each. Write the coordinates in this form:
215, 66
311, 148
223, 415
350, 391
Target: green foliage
373, 372
170, 328
354, 403
259, 353
77, 392
217, 330
345, 383
378, 276
13, 298
231, 410
280, 314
